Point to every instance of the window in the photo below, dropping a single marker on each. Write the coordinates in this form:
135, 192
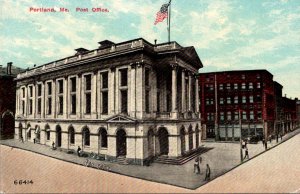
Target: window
258, 85
60, 104
250, 85
147, 101
251, 115
259, 115
244, 115
222, 116
23, 92
251, 99
243, 76
88, 82
86, 137
244, 99
228, 100
147, 73
236, 100
39, 98
258, 98
73, 95
39, 106
210, 116
124, 101
49, 84
124, 77
228, 86
258, 76
104, 77
105, 102
48, 135
236, 86
243, 86
30, 106
29, 133
221, 87
30, 91
221, 100
228, 116
72, 135
39, 92
49, 98
60, 86
236, 115
49, 105
103, 138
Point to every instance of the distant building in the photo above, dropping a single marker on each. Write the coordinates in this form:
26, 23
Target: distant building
289, 114
7, 100
298, 111
127, 101
226, 95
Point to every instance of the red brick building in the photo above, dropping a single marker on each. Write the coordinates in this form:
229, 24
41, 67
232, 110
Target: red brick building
226, 95
289, 114
7, 100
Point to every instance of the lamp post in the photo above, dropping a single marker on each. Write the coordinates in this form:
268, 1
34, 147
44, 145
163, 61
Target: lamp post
240, 123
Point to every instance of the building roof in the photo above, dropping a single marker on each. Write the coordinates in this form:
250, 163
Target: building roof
237, 71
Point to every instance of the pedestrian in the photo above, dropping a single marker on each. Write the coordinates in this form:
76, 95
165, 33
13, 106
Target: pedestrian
246, 142
34, 140
22, 139
246, 154
266, 146
263, 142
281, 136
270, 138
53, 146
78, 151
196, 166
207, 174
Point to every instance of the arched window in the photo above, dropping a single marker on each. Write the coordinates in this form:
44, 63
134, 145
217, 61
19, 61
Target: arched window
86, 136
47, 129
103, 138
72, 135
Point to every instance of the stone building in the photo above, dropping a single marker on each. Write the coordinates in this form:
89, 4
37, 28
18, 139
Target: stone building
131, 100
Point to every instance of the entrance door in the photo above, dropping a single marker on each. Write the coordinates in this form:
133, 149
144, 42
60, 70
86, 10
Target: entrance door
150, 142
182, 140
163, 138
121, 143
58, 136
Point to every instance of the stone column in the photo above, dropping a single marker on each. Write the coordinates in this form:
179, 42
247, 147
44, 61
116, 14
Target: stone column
174, 92
17, 102
26, 102
111, 92
183, 91
132, 108
78, 97
98, 95
140, 91
66, 98
197, 96
190, 92
54, 95
43, 100
94, 95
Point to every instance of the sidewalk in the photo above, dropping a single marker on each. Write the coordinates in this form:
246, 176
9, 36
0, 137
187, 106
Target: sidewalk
222, 158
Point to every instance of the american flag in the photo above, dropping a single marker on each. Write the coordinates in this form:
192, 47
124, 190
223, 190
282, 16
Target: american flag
162, 13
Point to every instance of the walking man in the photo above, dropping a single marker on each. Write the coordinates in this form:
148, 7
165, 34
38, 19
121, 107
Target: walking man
53, 146
196, 165
78, 151
207, 174
246, 154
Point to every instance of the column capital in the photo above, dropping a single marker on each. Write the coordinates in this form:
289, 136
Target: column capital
113, 68
174, 66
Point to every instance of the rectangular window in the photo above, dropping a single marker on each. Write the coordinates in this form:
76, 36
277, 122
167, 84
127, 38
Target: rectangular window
158, 101
104, 77
49, 84
60, 105
73, 84
49, 105
30, 91
243, 86
48, 135
222, 116
236, 100
124, 77
30, 106
39, 92
221, 100
250, 85
147, 101
124, 101
221, 87
228, 116
236, 86
244, 99
147, 73
236, 115
258, 85
258, 98
88, 81
228, 86
39, 106
104, 102
73, 104
23, 107
88, 103
259, 115
244, 115
23, 92
228, 100
251, 99
251, 115
60, 86
243, 76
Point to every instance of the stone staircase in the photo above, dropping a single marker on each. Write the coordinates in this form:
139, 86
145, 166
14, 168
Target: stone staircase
182, 159
122, 160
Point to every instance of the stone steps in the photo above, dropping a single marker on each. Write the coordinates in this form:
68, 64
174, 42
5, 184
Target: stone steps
122, 160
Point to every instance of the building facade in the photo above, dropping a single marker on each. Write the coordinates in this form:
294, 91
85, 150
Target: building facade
7, 100
237, 102
131, 100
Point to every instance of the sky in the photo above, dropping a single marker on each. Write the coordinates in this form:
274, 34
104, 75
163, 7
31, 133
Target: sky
227, 34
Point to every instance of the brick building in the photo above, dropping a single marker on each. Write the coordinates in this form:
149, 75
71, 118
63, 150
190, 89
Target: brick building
7, 100
132, 100
289, 114
225, 95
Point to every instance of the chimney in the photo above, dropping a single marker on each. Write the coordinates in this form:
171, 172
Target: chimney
155, 41
8, 70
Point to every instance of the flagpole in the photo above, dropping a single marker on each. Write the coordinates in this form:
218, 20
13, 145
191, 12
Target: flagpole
169, 18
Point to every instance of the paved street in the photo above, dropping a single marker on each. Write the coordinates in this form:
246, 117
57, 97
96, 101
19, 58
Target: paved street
19, 164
